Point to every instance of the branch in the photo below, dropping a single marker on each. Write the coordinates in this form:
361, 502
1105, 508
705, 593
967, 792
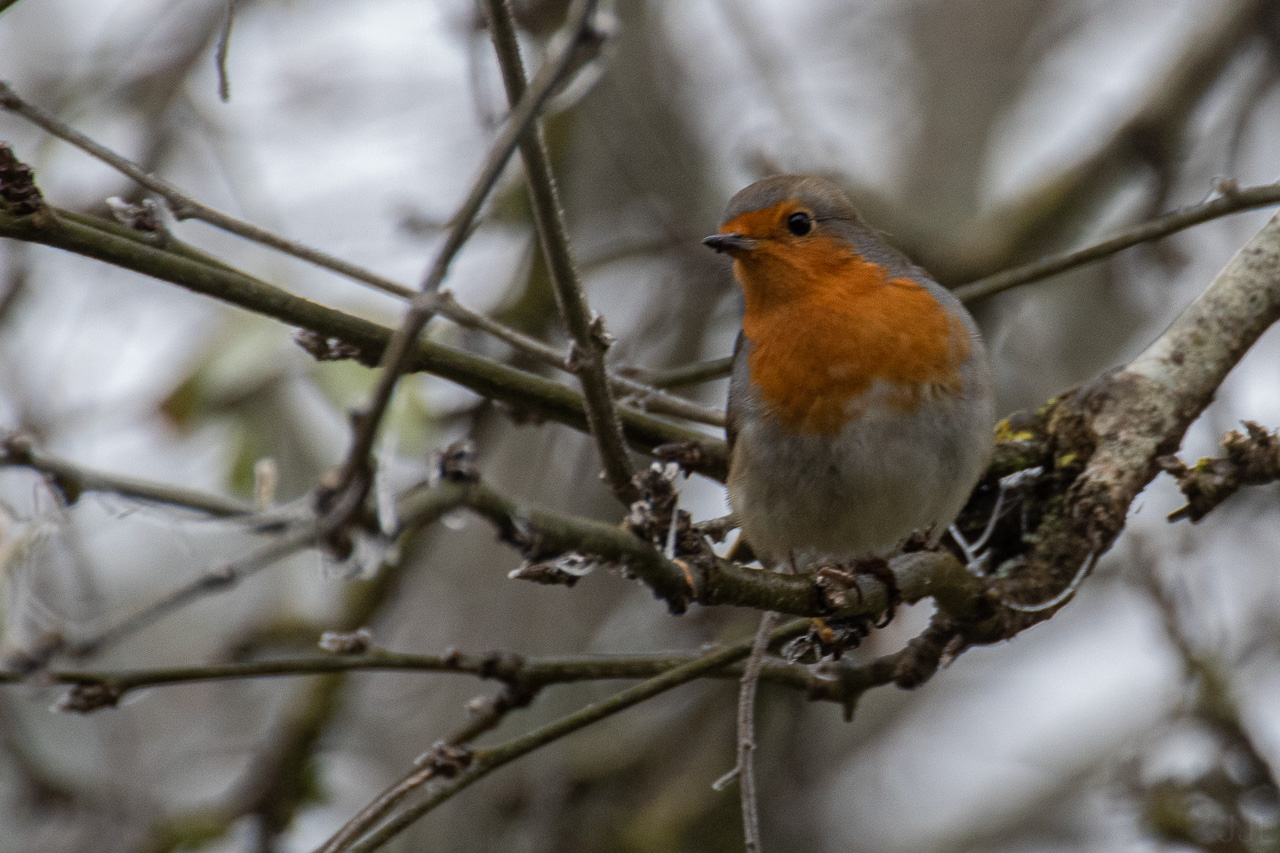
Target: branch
644, 396
509, 668
73, 480
589, 337
541, 534
692, 374
171, 260
1146, 136
483, 762
353, 477
1104, 441
1250, 460
1232, 200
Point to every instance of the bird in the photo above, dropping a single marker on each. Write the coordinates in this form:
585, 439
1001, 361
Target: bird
861, 406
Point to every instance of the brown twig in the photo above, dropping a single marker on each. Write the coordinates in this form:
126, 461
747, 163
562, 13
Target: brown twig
590, 341
747, 734
221, 52
1231, 200
485, 761
647, 397
72, 480
353, 477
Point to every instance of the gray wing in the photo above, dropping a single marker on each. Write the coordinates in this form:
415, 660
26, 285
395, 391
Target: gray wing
738, 390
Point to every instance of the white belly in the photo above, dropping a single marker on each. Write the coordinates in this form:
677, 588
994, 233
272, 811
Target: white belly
888, 475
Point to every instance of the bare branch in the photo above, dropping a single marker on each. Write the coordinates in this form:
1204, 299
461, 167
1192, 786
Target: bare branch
1146, 137
186, 207
646, 397
1231, 200
353, 477
484, 762
589, 338
747, 734
1107, 437
171, 260
220, 53
693, 374
73, 480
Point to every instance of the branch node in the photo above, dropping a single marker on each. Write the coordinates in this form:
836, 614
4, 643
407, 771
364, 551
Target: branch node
18, 188
144, 216
87, 698
357, 642
692, 456
598, 333
458, 463
564, 570
1252, 458
327, 347
445, 759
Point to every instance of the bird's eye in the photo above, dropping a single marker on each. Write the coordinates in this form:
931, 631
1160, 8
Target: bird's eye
799, 224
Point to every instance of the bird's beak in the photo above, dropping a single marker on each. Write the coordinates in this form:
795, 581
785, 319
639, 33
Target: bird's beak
732, 242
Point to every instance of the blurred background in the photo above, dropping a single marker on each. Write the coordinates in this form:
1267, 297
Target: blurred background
977, 133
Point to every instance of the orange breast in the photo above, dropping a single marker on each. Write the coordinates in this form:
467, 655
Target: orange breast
826, 325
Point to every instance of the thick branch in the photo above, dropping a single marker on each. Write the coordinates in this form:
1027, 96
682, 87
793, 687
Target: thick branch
1114, 430
542, 534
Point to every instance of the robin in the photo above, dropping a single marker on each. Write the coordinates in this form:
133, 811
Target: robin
860, 405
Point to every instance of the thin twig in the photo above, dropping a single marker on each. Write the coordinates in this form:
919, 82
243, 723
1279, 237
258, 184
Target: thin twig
72, 480
217, 579
527, 673
445, 758
647, 397
184, 206
180, 264
353, 477
485, 761
692, 374
747, 734
220, 53
1231, 200
589, 339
